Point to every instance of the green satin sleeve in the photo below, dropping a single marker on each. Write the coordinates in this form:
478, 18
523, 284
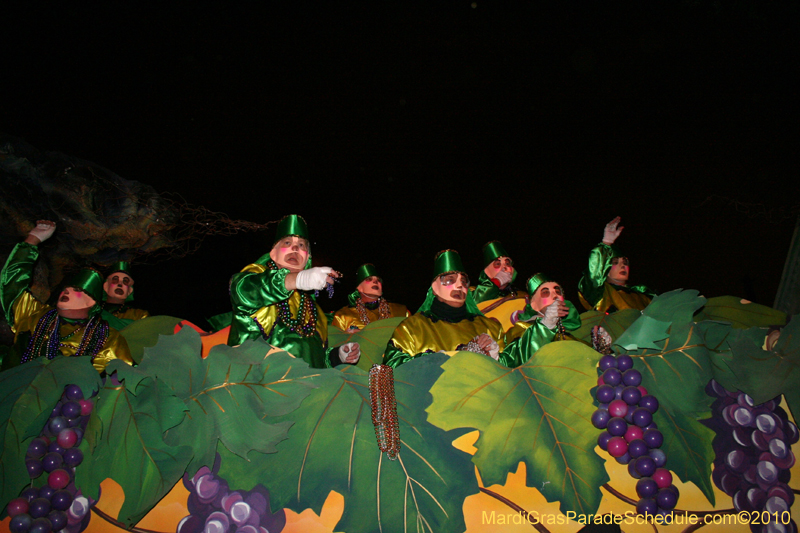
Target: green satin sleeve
485, 289
251, 289
16, 276
591, 283
394, 356
572, 321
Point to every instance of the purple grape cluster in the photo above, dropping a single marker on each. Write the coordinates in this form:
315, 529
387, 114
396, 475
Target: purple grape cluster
753, 456
214, 508
625, 414
52, 456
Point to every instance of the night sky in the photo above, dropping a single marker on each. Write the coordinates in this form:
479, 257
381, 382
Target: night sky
398, 131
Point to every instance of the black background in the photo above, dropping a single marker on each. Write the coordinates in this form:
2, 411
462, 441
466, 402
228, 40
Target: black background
398, 130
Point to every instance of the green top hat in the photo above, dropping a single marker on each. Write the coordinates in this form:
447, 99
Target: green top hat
291, 225
120, 266
535, 281
447, 261
365, 271
90, 281
491, 251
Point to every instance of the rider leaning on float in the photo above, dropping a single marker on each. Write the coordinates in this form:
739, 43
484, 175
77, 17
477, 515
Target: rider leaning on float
448, 320
367, 303
73, 328
546, 317
118, 294
273, 299
604, 285
498, 274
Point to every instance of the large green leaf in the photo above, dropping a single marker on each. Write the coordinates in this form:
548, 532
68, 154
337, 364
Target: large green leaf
124, 439
332, 446
687, 445
653, 326
229, 394
144, 333
614, 323
538, 413
765, 374
372, 340
29, 393
740, 313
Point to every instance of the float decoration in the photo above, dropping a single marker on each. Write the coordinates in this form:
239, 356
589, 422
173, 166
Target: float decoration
740, 313
614, 323
141, 334
372, 339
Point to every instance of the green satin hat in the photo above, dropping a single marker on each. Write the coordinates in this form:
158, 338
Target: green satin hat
91, 281
291, 225
615, 252
364, 271
491, 251
447, 261
120, 266
535, 281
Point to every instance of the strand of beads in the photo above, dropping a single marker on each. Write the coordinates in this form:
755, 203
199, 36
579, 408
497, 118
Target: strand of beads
305, 323
384, 409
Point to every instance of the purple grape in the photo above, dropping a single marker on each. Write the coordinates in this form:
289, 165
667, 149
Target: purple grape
217, 523
742, 436
775, 504
785, 463
631, 395
207, 488
39, 507
56, 410
756, 497
71, 410
57, 424
612, 377
624, 458
20, 523
52, 461
632, 377
41, 525
766, 423
658, 456
58, 519
624, 362
653, 438
647, 506
54, 447
666, 499
743, 416
730, 483
46, 492
602, 440
73, 457
649, 402
632, 470
240, 513
645, 466
617, 427
191, 524
61, 500
744, 400
792, 433
34, 467
202, 471
646, 487
778, 448
606, 362
637, 448
600, 418
30, 494
605, 393
759, 441
727, 415
642, 417
37, 448
766, 473
783, 491
751, 475
73, 392
736, 460
78, 433
230, 499
618, 392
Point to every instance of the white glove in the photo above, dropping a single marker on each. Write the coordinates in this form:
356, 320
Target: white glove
503, 277
494, 350
611, 231
550, 319
312, 279
349, 353
44, 230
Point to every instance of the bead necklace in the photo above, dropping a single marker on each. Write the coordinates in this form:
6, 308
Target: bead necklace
46, 335
384, 409
383, 310
305, 323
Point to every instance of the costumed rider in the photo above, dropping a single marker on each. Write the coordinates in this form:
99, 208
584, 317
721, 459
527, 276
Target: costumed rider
274, 299
73, 328
497, 277
448, 320
547, 317
118, 293
367, 303
604, 284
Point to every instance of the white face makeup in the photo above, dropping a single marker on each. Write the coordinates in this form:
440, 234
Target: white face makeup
290, 252
118, 287
74, 298
546, 294
619, 271
371, 288
500, 264
451, 288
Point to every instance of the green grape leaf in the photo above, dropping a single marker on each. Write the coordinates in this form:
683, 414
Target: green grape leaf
26, 406
332, 446
144, 333
372, 340
739, 313
125, 442
229, 394
614, 323
687, 445
539, 413
676, 306
765, 374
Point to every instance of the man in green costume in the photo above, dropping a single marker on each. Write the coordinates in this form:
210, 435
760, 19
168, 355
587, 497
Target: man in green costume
547, 317
273, 299
73, 328
367, 303
448, 320
498, 275
118, 289
604, 285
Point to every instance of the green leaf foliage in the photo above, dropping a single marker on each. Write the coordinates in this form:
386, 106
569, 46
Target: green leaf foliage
538, 413
332, 446
372, 340
614, 323
740, 314
29, 394
688, 447
125, 441
676, 306
229, 395
144, 333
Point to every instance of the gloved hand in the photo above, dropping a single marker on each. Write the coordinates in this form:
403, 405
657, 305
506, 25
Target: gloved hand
349, 353
551, 312
44, 230
312, 279
611, 231
503, 277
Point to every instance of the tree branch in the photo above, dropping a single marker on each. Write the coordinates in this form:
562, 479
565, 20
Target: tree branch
119, 524
539, 527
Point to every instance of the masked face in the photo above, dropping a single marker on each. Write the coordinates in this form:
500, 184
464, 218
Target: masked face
118, 287
74, 298
451, 288
619, 271
371, 288
291, 253
546, 294
500, 264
